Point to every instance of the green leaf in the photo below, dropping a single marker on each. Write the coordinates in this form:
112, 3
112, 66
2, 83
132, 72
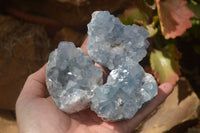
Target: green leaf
151, 28
140, 12
195, 21
133, 15
165, 64
152, 31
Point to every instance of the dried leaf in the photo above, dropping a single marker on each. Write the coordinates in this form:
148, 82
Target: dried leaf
174, 17
165, 64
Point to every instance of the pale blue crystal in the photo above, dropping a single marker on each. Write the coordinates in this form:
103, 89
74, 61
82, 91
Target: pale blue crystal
71, 77
75, 83
110, 42
128, 88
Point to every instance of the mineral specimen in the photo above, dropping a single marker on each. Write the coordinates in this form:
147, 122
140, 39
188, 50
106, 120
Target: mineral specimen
128, 88
71, 77
109, 38
119, 48
75, 83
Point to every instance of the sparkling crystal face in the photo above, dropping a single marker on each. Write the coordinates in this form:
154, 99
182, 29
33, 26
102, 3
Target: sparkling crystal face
71, 77
76, 84
108, 37
128, 87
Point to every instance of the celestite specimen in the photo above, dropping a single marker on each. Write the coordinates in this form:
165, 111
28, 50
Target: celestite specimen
108, 37
75, 83
71, 77
119, 48
128, 88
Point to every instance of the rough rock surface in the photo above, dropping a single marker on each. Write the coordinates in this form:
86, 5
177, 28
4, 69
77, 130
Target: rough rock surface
71, 77
69, 35
127, 89
65, 13
179, 111
110, 42
24, 47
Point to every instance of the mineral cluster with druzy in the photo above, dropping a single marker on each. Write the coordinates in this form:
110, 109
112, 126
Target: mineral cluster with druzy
76, 84
71, 77
110, 43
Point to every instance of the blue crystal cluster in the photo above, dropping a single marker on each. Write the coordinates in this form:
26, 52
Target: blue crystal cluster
76, 84
128, 87
71, 77
110, 43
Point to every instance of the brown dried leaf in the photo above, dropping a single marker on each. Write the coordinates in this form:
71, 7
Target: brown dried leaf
174, 17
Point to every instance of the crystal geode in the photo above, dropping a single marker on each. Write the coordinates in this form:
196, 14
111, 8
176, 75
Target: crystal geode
76, 84
108, 37
71, 77
128, 88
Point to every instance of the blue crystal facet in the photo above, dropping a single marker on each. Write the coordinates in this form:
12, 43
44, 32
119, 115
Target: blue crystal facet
71, 77
128, 87
110, 42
